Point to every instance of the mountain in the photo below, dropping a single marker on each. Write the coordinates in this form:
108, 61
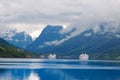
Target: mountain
50, 33
102, 42
19, 39
9, 51
96, 44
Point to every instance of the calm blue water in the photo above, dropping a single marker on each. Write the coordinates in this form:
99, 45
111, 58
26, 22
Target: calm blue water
44, 69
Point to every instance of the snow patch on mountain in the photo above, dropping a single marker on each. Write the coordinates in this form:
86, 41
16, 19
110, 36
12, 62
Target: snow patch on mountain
88, 34
19, 39
9, 34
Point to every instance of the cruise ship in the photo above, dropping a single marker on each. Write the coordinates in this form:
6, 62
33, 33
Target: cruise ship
52, 56
84, 56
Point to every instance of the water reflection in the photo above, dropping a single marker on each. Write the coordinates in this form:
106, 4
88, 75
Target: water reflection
33, 76
18, 74
59, 74
83, 62
60, 70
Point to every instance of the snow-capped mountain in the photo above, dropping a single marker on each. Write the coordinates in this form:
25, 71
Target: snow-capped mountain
19, 39
50, 33
103, 39
108, 29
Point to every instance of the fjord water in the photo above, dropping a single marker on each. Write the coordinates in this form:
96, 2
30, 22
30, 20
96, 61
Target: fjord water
59, 69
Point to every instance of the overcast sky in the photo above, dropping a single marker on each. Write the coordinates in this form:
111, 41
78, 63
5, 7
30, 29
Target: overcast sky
32, 15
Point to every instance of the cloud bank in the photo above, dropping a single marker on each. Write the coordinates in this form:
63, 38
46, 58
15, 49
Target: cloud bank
82, 14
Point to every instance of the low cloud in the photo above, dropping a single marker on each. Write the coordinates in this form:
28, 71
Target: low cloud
96, 12
56, 42
81, 14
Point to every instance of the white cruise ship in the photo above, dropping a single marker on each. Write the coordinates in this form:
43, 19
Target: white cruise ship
52, 56
84, 56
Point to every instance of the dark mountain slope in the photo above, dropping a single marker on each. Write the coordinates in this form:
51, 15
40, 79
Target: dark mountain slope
50, 33
9, 51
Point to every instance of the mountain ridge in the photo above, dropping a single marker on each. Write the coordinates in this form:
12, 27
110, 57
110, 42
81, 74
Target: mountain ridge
18, 39
86, 42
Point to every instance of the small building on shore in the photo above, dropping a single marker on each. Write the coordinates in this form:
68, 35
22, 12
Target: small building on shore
84, 56
42, 56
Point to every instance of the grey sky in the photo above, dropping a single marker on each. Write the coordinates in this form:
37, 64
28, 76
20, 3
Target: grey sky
32, 15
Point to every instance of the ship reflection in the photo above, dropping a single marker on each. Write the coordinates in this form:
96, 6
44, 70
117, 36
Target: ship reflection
33, 76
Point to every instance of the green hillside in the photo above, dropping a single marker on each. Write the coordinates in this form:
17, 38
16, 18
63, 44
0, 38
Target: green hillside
9, 51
